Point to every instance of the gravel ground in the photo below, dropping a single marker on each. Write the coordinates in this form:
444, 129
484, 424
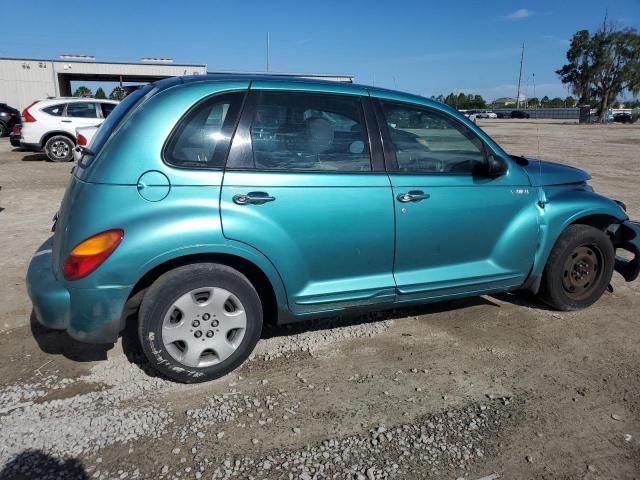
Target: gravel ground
461, 389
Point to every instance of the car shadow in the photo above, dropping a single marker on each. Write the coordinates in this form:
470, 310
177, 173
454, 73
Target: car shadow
32, 464
34, 157
347, 320
133, 350
58, 342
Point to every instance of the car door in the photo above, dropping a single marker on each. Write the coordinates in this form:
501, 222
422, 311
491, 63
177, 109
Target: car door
458, 230
305, 185
80, 114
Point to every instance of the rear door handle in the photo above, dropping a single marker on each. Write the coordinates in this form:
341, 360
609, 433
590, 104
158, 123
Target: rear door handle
254, 198
413, 196
65, 121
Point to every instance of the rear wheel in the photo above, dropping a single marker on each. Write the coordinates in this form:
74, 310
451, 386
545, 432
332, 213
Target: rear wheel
59, 149
579, 268
3, 130
199, 322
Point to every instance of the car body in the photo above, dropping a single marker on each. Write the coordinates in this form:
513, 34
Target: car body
519, 114
84, 136
470, 114
212, 205
503, 114
623, 117
9, 117
486, 114
50, 124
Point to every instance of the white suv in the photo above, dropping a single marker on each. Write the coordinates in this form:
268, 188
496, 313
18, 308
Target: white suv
50, 125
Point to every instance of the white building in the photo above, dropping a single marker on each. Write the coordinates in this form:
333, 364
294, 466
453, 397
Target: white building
24, 80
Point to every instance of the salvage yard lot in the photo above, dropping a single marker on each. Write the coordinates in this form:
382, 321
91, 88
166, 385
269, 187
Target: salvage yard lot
456, 389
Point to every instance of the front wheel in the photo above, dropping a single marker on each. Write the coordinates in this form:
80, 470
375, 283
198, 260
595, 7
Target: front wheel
579, 268
199, 322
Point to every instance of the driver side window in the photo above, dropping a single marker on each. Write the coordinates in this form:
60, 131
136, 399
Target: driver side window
430, 142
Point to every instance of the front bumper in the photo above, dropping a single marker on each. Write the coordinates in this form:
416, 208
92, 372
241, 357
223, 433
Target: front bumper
92, 315
627, 237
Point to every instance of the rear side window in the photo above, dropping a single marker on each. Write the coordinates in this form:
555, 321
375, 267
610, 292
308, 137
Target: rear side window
82, 110
202, 137
309, 131
54, 110
107, 108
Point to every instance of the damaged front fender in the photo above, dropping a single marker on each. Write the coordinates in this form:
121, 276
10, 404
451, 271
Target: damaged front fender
626, 236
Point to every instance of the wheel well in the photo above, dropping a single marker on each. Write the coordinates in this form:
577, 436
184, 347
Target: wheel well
599, 221
48, 135
255, 275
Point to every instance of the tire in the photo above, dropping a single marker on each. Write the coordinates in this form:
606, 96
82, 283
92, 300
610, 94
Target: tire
59, 148
4, 131
183, 317
578, 270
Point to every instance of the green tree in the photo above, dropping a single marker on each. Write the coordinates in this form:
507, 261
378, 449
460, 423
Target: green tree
556, 102
569, 101
82, 91
602, 65
116, 94
545, 101
534, 102
100, 93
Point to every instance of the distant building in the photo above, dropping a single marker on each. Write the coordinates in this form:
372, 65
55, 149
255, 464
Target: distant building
503, 102
24, 80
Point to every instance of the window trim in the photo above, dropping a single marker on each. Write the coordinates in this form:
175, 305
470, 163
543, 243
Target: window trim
183, 117
242, 144
391, 160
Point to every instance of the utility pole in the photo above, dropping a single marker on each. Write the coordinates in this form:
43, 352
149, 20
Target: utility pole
520, 77
534, 87
268, 52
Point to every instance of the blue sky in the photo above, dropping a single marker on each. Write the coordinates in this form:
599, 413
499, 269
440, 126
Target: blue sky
417, 46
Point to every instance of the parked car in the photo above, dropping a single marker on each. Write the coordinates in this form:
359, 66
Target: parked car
470, 114
214, 205
503, 114
14, 136
486, 114
50, 125
84, 135
9, 117
623, 117
519, 114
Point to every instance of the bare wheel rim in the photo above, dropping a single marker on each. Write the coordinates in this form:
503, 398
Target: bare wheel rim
582, 271
60, 149
203, 327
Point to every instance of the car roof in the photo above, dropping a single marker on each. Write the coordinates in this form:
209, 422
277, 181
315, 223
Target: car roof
276, 79
57, 100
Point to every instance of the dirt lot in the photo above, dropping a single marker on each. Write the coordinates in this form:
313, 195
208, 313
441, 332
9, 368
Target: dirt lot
459, 389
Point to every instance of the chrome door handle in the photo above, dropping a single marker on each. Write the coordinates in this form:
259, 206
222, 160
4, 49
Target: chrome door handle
254, 198
413, 196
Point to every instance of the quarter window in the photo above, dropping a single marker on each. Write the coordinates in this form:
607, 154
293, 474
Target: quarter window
54, 110
82, 110
202, 137
427, 141
309, 131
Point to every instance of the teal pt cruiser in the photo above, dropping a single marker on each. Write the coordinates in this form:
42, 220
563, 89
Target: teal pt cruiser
208, 206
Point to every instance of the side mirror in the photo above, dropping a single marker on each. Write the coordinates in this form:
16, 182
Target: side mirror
495, 166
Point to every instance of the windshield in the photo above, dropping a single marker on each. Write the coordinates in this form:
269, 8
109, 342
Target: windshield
111, 123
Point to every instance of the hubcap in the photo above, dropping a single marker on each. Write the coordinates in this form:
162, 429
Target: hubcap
204, 327
60, 149
581, 272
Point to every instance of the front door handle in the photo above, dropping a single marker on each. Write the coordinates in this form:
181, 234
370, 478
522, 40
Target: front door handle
413, 196
65, 121
254, 198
